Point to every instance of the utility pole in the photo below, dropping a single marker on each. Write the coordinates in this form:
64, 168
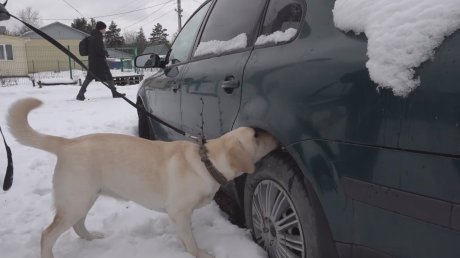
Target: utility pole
179, 15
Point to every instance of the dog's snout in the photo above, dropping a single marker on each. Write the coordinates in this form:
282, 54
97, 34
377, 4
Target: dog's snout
266, 137
260, 133
257, 132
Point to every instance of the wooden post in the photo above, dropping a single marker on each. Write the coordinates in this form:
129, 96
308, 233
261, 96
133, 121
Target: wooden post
70, 64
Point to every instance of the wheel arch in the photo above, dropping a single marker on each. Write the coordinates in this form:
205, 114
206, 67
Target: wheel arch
288, 153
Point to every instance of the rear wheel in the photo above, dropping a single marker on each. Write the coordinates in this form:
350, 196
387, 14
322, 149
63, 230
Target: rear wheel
283, 212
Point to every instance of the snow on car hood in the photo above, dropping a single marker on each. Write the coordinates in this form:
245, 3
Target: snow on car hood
402, 34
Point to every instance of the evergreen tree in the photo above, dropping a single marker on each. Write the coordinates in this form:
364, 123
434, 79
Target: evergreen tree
158, 35
141, 41
82, 25
113, 37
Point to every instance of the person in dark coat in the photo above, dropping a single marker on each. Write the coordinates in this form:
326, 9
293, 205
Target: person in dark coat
97, 55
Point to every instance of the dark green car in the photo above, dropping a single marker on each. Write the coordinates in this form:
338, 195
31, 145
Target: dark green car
362, 173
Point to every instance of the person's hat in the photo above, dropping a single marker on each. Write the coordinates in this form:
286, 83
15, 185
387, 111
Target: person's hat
100, 25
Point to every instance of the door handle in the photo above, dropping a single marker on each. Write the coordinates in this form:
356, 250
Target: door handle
175, 86
230, 84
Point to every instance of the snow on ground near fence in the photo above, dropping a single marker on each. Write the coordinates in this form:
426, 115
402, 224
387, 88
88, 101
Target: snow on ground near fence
130, 230
58, 80
76, 74
401, 35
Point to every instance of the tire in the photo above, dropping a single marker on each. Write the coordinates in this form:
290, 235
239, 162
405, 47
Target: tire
144, 130
294, 224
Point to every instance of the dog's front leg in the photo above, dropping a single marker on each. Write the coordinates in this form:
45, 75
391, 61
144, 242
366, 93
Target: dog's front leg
184, 229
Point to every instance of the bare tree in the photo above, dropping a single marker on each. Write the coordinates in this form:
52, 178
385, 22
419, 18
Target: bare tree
30, 16
130, 37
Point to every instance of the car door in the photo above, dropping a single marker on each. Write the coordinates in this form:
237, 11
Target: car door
431, 163
162, 89
212, 82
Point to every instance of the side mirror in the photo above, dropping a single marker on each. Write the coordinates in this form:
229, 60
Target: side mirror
148, 61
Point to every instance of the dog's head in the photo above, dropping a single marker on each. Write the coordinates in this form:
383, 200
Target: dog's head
245, 146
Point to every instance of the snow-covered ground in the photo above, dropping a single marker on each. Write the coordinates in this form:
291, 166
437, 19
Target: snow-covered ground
76, 74
130, 230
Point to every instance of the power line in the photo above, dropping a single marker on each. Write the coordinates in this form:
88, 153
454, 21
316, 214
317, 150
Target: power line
132, 4
168, 12
139, 9
146, 17
73, 8
108, 15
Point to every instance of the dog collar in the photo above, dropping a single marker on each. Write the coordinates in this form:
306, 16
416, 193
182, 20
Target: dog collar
216, 174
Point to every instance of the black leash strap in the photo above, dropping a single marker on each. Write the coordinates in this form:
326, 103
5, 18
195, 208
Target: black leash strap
9, 169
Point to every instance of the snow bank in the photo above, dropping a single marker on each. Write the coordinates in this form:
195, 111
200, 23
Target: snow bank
402, 34
218, 47
276, 37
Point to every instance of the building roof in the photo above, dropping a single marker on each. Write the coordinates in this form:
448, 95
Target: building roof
58, 31
160, 49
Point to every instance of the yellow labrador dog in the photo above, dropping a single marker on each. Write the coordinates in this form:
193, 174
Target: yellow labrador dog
163, 176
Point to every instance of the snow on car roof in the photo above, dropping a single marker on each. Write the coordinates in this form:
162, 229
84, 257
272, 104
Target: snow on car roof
401, 35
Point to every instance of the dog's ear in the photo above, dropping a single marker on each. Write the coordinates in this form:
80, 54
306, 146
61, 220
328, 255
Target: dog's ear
239, 158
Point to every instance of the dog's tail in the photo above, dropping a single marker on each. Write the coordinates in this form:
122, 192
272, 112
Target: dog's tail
24, 134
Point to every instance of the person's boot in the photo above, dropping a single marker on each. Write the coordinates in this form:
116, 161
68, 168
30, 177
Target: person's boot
81, 94
80, 97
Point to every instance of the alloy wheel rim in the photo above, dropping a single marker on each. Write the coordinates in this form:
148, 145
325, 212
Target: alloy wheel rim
275, 221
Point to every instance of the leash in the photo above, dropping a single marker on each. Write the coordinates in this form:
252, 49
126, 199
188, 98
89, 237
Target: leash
8, 181
5, 15
203, 151
9, 169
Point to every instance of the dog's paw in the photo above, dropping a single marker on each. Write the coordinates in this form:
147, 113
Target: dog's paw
94, 235
202, 254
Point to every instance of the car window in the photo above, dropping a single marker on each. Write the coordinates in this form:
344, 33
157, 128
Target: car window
231, 25
184, 42
282, 22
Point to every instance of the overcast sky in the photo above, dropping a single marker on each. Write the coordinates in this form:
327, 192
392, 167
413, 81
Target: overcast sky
156, 11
